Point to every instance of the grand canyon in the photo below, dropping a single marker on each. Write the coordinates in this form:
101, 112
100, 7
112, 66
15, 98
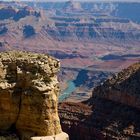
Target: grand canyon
89, 38
97, 44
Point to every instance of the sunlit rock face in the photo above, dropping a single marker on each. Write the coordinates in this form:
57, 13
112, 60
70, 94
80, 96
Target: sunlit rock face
29, 95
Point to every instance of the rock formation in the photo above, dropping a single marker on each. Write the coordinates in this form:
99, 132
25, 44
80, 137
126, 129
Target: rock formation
72, 6
112, 113
16, 14
123, 87
29, 96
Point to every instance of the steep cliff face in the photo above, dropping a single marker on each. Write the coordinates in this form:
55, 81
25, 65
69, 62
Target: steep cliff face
29, 96
16, 14
123, 87
112, 113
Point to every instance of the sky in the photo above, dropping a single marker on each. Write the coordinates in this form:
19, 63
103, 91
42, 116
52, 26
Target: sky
97, 0
79, 0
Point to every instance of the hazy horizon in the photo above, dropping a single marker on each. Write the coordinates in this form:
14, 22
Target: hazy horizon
79, 0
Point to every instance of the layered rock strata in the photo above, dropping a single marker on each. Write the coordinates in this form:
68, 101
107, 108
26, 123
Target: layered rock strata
29, 96
112, 113
123, 87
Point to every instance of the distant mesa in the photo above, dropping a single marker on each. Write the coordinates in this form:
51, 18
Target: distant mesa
16, 14
72, 5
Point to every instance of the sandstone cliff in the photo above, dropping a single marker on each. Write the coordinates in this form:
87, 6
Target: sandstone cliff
113, 113
29, 96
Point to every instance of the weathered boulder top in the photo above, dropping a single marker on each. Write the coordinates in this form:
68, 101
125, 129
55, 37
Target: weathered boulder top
51, 64
29, 95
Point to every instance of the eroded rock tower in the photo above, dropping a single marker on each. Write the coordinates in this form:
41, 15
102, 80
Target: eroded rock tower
29, 96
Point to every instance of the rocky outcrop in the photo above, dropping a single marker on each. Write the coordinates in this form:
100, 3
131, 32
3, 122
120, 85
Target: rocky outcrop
26, 11
122, 87
29, 96
7, 12
109, 114
16, 14
72, 6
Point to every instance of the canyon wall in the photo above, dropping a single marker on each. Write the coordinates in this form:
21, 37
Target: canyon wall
122, 87
29, 96
112, 112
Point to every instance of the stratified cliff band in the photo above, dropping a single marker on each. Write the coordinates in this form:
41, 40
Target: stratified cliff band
112, 113
29, 96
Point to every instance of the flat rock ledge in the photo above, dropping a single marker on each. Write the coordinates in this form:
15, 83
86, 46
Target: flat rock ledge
61, 136
29, 96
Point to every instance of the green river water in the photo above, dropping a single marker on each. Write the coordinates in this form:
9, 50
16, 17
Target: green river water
66, 93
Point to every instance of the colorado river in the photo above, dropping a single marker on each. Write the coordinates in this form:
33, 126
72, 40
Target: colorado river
66, 93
